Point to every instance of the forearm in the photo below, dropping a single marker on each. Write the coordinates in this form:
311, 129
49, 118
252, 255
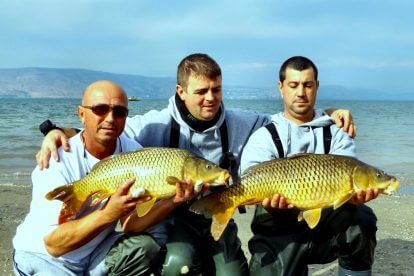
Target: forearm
73, 234
160, 211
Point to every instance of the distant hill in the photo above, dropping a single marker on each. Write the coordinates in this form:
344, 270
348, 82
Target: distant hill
70, 83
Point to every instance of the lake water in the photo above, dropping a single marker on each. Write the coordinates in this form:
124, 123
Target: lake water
384, 135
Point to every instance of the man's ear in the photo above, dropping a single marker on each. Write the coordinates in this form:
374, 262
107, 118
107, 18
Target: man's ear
279, 86
180, 91
81, 114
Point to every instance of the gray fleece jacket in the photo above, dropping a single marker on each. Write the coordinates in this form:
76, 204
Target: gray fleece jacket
304, 138
153, 130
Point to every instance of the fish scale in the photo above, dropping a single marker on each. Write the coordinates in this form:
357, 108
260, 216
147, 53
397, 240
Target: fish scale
310, 182
155, 170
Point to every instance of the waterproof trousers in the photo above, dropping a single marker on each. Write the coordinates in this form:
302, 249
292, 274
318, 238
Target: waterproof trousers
346, 234
192, 250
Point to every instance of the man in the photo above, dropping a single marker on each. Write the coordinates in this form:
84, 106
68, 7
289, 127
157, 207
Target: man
281, 245
196, 120
88, 244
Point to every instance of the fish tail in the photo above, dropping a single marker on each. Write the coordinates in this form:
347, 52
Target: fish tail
221, 212
71, 204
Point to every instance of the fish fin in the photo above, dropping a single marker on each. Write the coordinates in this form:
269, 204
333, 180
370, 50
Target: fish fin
98, 196
312, 217
342, 200
300, 216
298, 155
145, 207
172, 180
220, 221
71, 204
221, 212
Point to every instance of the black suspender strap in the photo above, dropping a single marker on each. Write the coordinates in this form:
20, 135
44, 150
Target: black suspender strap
276, 139
327, 138
174, 134
224, 137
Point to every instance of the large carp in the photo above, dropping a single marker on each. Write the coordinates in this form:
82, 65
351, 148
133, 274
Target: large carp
310, 182
156, 171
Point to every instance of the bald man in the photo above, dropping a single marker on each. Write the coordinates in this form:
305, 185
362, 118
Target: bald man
89, 244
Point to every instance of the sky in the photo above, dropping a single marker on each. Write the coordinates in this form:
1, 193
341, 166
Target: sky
365, 44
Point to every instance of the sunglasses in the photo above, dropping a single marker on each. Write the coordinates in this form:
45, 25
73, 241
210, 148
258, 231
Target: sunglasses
119, 111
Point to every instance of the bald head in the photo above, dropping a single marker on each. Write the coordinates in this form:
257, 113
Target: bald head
103, 88
103, 113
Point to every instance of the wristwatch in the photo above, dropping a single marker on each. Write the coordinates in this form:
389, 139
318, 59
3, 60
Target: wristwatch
47, 126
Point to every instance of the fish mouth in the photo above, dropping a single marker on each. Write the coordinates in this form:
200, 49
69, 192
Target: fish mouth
392, 187
223, 180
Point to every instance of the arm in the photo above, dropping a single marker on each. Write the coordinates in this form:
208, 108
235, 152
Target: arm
343, 119
74, 234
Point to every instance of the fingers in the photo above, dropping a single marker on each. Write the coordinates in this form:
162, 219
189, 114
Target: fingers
65, 143
276, 202
55, 154
179, 190
42, 158
337, 117
352, 131
123, 189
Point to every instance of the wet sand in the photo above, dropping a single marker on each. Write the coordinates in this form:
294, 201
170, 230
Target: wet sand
394, 253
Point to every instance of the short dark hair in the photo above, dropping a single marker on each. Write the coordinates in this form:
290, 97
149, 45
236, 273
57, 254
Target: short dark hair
298, 63
198, 65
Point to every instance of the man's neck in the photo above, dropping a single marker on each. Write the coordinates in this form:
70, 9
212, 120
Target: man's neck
100, 151
298, 118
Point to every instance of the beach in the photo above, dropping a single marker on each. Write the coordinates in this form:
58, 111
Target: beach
394, 253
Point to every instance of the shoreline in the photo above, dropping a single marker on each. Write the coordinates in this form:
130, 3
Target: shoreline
394, 254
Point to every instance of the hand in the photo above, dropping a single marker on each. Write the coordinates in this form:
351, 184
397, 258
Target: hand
52, 141
343, 119
122, 202
362, 197
185, 191
277, 202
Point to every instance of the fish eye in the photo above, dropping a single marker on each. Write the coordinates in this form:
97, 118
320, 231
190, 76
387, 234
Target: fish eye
208, 166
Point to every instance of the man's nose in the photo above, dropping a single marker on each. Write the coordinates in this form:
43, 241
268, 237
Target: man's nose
301, 90
110, 116
209, 96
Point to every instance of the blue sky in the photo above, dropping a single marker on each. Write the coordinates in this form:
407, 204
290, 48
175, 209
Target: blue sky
355, 43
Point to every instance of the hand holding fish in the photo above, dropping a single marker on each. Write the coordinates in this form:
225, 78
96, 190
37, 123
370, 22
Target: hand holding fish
187, 190
276, 203
122, 202
362, 197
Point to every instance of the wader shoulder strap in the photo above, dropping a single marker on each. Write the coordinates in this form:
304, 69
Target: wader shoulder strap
224, 138
276, 139
174, 134
327, 138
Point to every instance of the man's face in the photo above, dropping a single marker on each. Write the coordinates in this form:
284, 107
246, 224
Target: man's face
298, 91
103, 128
202, 96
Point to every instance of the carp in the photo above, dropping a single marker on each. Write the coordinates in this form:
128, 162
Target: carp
156, 171
310, 182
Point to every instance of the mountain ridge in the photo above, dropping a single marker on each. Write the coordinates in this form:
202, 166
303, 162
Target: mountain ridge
39, 82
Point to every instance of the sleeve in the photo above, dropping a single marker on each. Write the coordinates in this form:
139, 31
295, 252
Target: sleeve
146, 129
46, 212
259, 148
341, 143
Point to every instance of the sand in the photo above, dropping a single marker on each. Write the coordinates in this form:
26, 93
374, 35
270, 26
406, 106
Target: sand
394, 254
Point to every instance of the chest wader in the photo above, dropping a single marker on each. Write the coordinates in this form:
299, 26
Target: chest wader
190, 243
283, 246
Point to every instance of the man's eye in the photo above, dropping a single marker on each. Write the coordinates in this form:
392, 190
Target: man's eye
293, 85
